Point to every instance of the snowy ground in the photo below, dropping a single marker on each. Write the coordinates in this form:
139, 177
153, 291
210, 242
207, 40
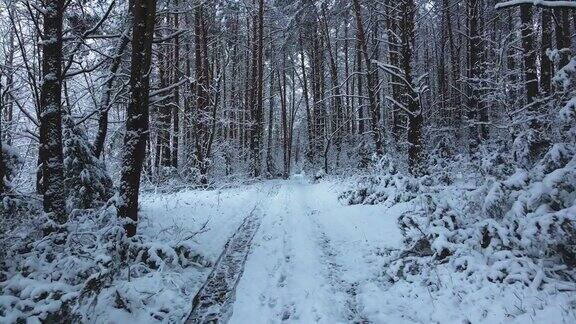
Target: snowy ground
313, 260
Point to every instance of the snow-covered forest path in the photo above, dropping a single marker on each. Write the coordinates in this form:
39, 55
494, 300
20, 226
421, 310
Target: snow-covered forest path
290, 252
305, 263
292, 272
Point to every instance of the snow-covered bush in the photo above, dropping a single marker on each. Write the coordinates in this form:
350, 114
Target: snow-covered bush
515, 226
14, 207
319, 175
565, 81
86, 180
384, 185
518, 230
10, 162
67, 273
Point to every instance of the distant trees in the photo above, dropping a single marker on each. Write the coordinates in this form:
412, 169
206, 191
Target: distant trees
538, 84
264, 89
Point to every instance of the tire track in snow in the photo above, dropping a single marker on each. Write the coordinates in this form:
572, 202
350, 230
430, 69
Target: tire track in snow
285, 280
213, 302
352, 310
275, 242
288, 308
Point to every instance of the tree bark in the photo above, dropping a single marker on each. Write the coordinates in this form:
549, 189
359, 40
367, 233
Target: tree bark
269, 157
310, 154
412, 98
7, 92
144, 15
539, 144
337, 100
257, 90
164, 110
360, 92
456, 115
202, 119
50, 151
475, 134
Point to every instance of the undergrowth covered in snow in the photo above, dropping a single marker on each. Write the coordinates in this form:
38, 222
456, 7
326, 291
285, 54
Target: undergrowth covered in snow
506, 221
384, 185
87, 270
521, 229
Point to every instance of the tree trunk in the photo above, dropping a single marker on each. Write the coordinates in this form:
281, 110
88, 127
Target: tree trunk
284, 121
8, 96
163, 148
347, 100
202, 116
474, 70
545, 63
412, 98
257, 90
310, 154
176, 91
374, 109
529, 55
359, 92
104, 106
316, 61
269, 157
455, 93
50, 152
562, 24
538, 145
337, 100
144, 15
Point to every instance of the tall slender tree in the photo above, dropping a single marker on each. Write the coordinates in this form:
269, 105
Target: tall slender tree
529, 54
257, 122
546, 44
50, 152
370, 80
106, 96
143, 16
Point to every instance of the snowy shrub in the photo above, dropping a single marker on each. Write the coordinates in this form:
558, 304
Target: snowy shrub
441, 163
319, 175
515, 225
86, 180
14, 207
10, 162
385, 185
64, 273
519, 230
